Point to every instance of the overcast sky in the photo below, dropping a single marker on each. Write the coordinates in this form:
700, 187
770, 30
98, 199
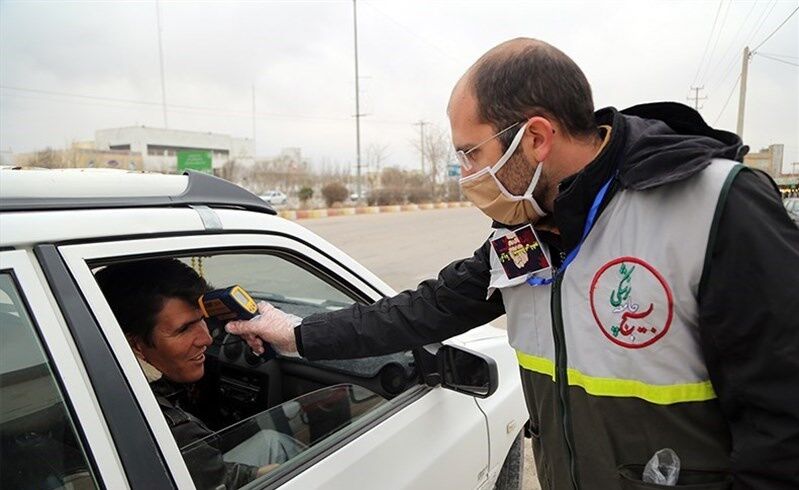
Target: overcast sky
299, 57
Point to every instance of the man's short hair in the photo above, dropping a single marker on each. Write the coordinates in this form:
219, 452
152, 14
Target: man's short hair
525, 78
137, 291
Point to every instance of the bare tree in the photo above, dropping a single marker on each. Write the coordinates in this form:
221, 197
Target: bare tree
376, 156
47, 158
438, 152
228, 170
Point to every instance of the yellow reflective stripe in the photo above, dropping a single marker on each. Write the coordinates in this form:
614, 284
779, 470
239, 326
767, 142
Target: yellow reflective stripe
658, 394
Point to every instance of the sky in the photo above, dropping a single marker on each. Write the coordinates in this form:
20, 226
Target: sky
70, 68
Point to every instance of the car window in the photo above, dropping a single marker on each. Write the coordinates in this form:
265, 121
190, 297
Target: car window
272, 278
288, 433
311, 406
39, 443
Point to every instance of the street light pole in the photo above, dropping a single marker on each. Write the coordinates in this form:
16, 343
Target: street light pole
357, 103
161, 59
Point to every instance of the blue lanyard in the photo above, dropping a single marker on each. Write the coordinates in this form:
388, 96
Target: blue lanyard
589, 222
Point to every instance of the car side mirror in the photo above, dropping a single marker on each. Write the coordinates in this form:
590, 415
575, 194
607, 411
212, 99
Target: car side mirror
460, 369
466, 371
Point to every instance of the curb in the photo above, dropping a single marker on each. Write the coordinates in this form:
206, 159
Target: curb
298, 214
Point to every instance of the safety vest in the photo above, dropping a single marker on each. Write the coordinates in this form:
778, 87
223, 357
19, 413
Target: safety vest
621, 328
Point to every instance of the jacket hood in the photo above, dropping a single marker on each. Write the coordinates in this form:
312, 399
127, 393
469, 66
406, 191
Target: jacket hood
667, 142
650, 145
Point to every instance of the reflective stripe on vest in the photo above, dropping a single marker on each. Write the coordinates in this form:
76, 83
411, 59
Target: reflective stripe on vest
630, 309
658, 394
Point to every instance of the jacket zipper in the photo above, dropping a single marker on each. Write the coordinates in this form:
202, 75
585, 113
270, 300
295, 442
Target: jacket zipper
561, 379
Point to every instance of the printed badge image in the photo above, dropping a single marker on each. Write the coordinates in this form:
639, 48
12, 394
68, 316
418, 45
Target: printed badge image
520, 253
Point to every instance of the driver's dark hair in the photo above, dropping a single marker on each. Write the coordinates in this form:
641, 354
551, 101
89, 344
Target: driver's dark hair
526, 77
136, 291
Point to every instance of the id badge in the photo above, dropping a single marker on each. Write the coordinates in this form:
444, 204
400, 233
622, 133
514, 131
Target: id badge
520, 252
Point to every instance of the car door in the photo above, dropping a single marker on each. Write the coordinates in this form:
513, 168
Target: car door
52, 431
413, 441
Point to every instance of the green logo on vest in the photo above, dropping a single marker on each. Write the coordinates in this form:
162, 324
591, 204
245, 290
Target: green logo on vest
622, 319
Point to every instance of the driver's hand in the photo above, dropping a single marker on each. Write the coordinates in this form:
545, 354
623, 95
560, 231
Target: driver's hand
272, 326
266, 469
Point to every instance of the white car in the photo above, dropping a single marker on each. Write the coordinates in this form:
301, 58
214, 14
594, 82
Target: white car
274, 197
77, 411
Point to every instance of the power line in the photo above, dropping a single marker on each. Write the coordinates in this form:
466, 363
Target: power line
777, 59
761, 19
780, 55
728, 100
707, 44
777, 29
760, 23
732, 44
718, 36
442, 52
99, 101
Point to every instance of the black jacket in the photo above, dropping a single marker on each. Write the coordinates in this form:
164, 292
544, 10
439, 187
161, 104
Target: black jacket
748, 300
203, 459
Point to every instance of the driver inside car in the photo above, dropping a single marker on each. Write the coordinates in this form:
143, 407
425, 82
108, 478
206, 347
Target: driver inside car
155, 303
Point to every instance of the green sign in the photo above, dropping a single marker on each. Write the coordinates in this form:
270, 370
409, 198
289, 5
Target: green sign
195, 160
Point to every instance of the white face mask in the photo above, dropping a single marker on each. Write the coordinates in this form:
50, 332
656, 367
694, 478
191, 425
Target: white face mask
485, 190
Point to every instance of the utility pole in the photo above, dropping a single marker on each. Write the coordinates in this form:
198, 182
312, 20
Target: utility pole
161, 59
357, 103
742, 99
696, 98
421, 125
253, 122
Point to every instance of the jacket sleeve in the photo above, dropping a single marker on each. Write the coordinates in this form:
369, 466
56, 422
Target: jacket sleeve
436, 310
749, 328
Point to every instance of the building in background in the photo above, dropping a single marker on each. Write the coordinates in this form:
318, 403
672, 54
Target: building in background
159, 147
768, 160
81, 155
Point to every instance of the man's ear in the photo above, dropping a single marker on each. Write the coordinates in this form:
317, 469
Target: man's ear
136, 345
540, 136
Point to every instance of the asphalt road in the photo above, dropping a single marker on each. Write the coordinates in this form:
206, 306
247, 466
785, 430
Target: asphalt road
407, 248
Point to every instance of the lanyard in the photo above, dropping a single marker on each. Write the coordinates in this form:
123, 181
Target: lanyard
589, 222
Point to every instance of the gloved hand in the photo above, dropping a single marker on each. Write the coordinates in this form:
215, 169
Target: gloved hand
272, 326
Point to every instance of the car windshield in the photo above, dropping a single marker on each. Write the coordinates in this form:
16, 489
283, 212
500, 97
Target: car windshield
283, 433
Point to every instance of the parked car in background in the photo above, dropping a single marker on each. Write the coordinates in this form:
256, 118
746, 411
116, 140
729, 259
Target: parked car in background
792, 206
78, 413
274, 197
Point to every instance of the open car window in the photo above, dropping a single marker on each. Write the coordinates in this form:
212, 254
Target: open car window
272, 278
263, 418
290, 432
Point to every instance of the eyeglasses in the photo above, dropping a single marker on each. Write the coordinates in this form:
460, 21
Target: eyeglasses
464, 157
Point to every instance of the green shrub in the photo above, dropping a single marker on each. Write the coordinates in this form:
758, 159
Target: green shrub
305, 194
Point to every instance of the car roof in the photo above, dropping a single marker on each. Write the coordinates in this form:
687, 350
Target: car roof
66, 189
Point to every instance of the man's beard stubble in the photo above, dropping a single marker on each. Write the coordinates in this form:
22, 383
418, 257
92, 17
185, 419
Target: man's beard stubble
516, 175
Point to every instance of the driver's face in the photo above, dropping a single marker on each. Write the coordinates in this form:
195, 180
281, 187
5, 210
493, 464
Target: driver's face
180, 338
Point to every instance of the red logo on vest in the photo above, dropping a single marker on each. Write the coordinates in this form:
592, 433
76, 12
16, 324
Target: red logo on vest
631, 302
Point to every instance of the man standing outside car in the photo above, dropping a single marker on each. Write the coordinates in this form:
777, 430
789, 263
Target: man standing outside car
658, 307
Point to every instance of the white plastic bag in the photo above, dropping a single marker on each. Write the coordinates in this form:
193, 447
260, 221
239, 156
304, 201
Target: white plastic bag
663, 468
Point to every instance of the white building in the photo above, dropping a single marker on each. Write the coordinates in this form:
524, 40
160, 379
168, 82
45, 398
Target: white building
159, 147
